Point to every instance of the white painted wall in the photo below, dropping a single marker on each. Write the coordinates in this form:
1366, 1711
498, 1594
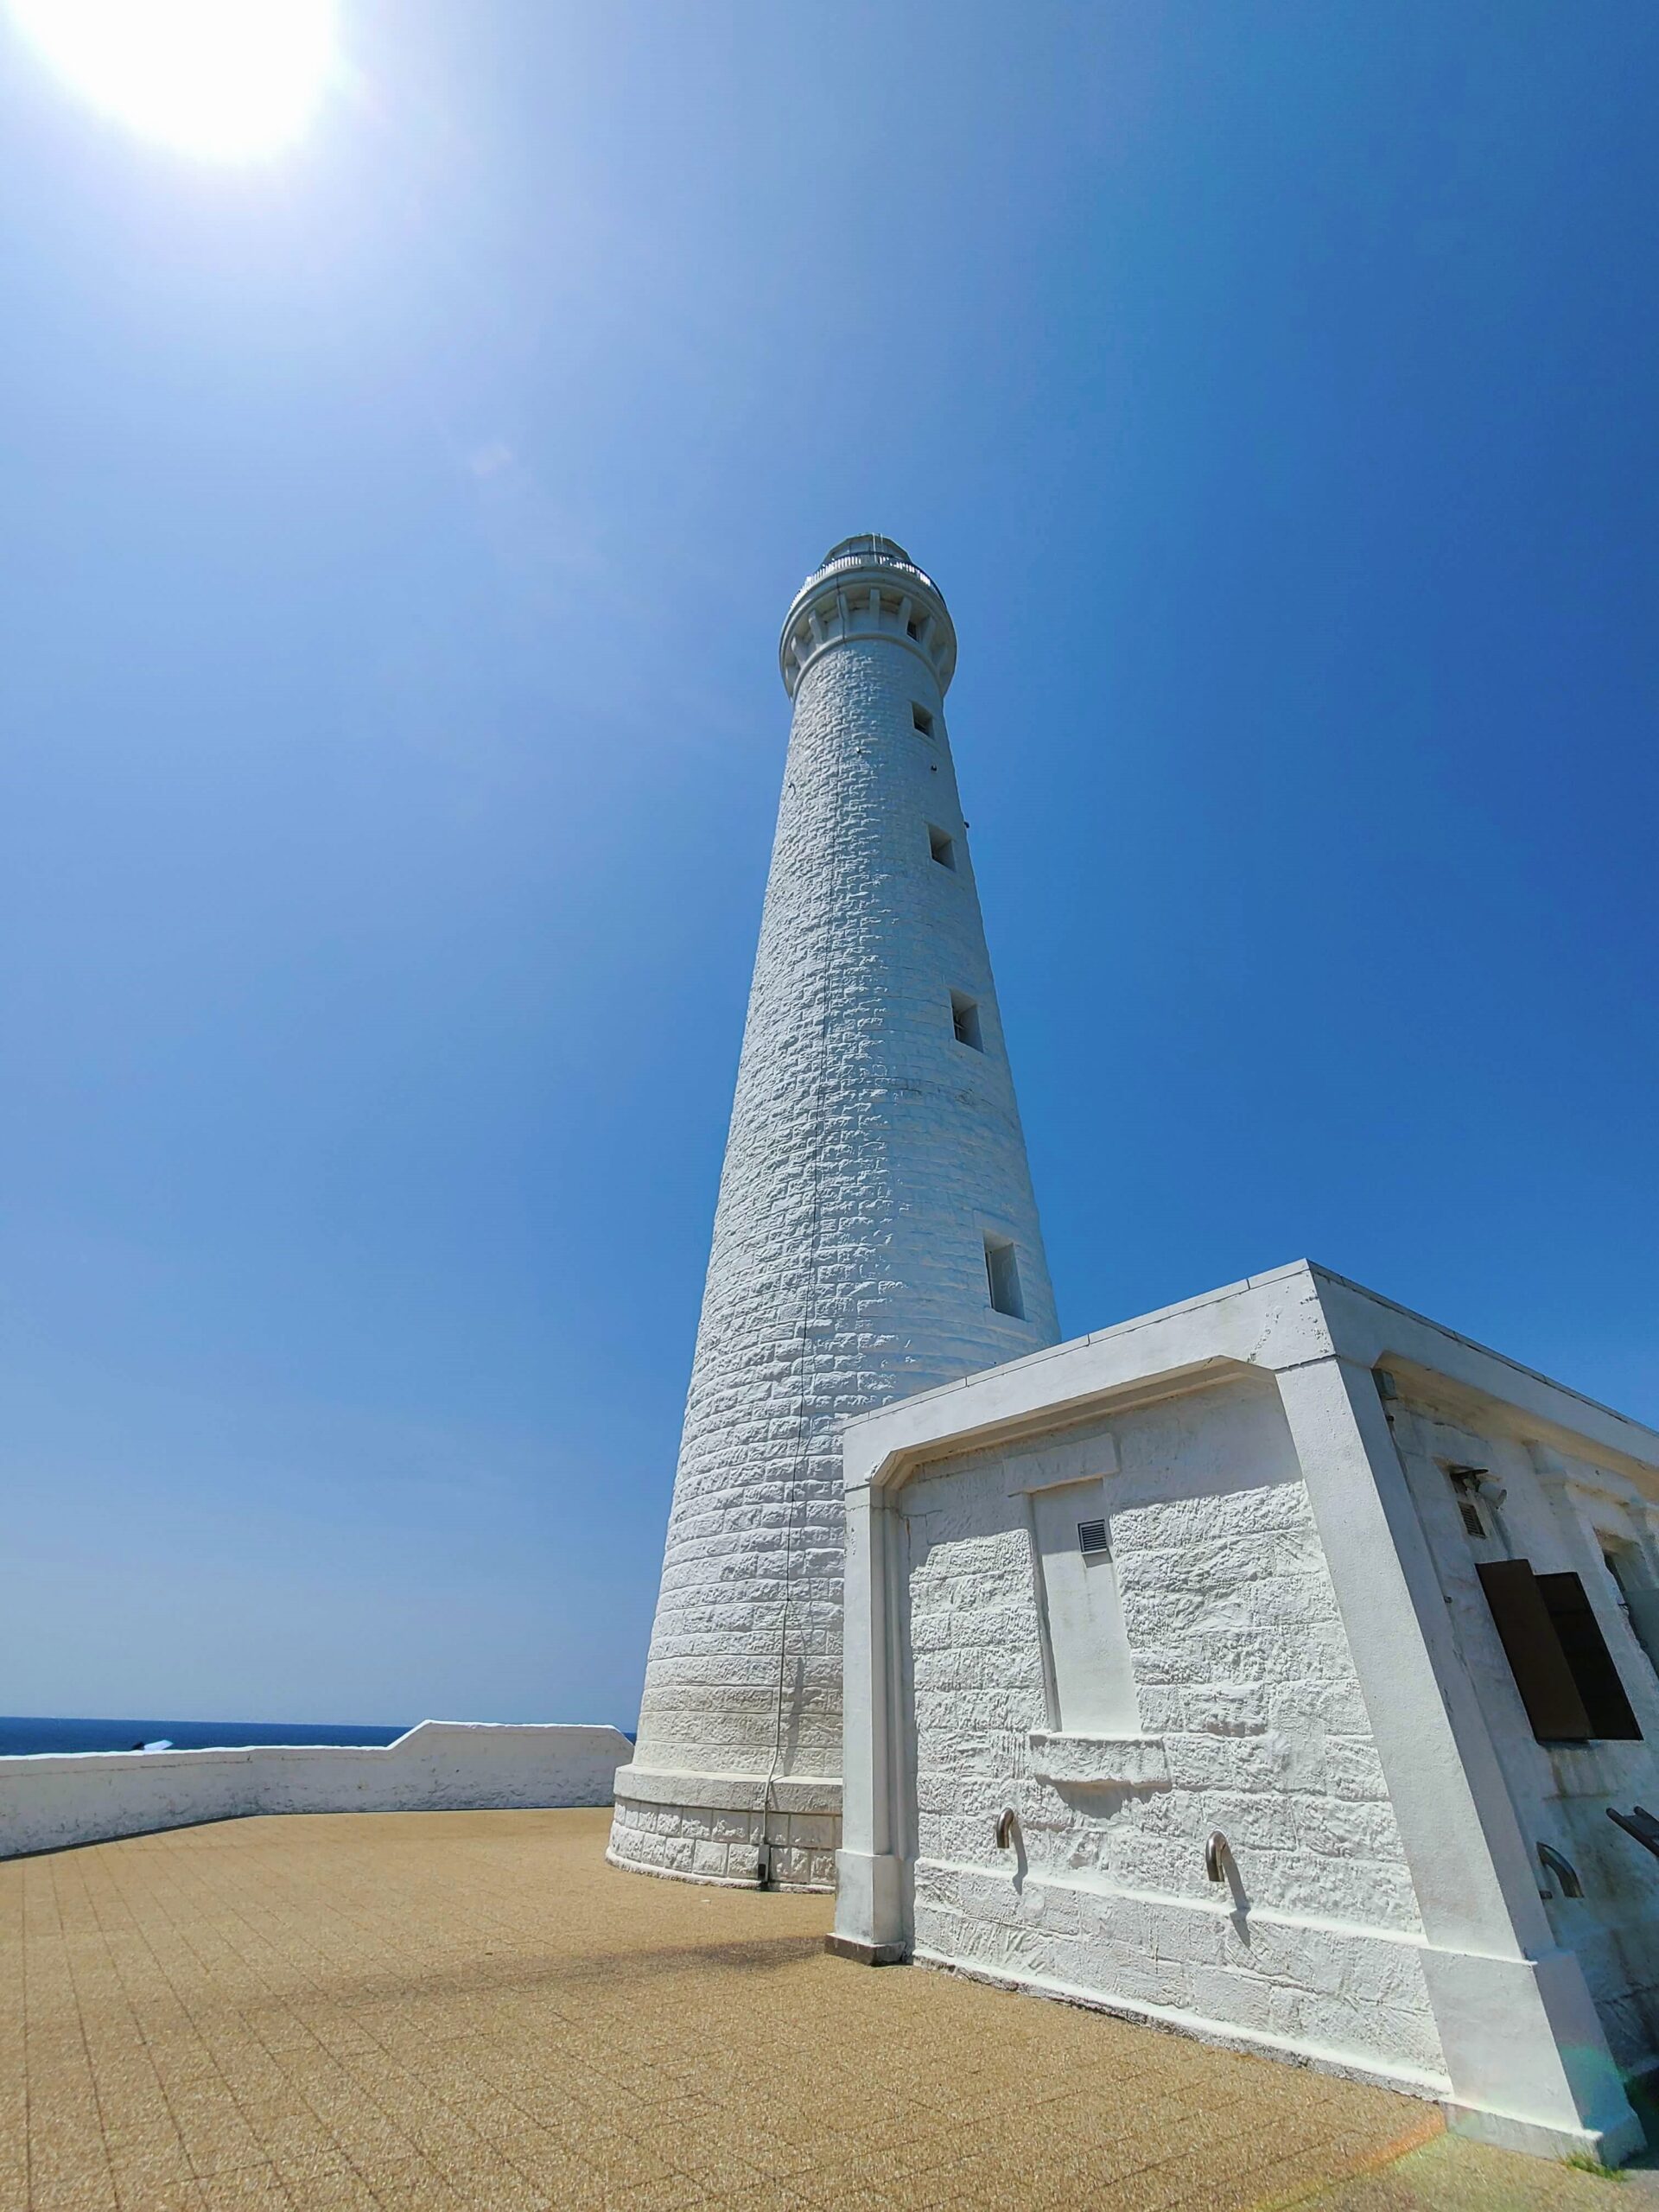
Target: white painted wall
1315, 1674
1243, 1681
48, 1801
869, 1153
1559, 1511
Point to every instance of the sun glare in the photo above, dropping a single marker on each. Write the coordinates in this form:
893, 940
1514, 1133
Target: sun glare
226, 79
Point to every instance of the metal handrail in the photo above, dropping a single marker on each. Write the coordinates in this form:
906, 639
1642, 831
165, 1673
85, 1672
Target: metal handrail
872, 560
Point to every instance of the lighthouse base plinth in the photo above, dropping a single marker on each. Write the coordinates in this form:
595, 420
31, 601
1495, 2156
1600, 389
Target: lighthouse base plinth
735, 1830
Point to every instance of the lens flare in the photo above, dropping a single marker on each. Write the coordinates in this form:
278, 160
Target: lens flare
225, 80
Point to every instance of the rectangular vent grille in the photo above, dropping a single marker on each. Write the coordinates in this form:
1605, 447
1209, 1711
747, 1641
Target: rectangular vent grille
1091, 1536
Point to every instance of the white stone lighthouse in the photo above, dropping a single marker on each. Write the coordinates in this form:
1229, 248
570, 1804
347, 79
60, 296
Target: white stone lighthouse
875, 1235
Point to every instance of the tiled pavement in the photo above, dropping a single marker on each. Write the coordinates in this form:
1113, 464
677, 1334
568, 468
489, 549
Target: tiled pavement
473, 2010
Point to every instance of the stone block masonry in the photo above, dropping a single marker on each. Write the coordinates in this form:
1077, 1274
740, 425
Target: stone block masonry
1173, 1687
874, 1149
1248, 1691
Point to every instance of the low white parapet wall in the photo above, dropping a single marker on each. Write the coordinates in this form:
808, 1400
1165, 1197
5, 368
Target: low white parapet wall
49, 1800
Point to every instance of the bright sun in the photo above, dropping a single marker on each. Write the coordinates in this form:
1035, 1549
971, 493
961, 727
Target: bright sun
228, 79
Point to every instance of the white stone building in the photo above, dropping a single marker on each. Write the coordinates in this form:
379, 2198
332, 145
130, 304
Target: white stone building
875, 1234
1268, 1668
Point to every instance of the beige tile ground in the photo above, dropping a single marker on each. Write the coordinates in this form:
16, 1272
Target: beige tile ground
1448, 2176
472, 2010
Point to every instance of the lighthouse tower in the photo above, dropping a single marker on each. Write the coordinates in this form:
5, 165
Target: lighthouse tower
875, 1234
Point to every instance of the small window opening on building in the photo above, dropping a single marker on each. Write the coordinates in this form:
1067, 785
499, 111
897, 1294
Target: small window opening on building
1558, 1655
1092, 1539
922, 719
943, 846
964, 1018
1465, 1482
913, 628
1002, 1276
1626, 1564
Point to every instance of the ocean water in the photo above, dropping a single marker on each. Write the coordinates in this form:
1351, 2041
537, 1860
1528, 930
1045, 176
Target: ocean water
31, 1735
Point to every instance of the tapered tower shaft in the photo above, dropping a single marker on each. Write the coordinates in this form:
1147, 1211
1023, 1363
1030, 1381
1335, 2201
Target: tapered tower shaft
875, 1233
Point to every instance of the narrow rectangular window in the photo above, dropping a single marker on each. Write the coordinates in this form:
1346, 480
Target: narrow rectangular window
1639, 1599
964, 1020
943, 846
1002, 1276
1465, 1483
922, 719
1624, 1566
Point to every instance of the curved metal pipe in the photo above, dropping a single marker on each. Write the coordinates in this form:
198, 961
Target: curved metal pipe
1216, 1848
1005, 1828
1563, 1869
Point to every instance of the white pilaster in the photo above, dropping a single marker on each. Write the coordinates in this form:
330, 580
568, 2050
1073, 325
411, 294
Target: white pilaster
1529, 2062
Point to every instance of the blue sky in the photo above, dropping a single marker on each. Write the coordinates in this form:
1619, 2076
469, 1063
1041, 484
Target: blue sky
395, 536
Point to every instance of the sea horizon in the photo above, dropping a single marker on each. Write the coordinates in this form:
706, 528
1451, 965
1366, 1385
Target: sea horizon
31, 1735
